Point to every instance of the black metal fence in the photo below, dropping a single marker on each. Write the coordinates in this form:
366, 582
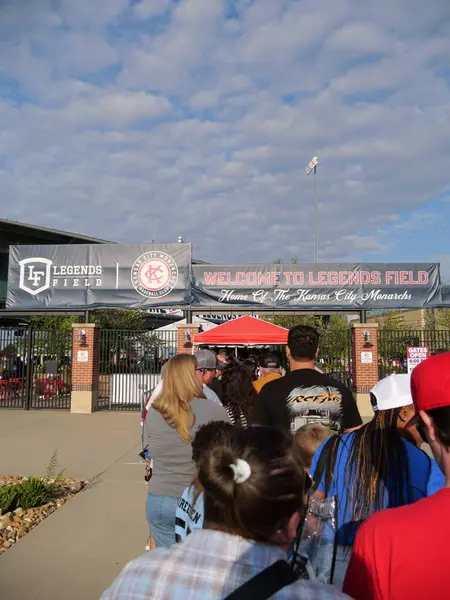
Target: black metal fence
13, 359
130, 365
35, 364
35, 368
393, 345
335, 355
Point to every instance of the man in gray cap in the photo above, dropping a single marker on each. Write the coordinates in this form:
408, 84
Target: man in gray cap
206, 372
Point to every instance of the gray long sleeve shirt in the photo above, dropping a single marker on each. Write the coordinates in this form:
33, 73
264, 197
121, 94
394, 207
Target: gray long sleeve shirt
174, 468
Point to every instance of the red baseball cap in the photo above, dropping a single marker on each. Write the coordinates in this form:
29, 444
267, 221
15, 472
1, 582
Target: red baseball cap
430, 383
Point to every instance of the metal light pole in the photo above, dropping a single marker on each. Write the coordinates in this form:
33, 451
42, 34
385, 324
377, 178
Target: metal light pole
157, 217
312, 167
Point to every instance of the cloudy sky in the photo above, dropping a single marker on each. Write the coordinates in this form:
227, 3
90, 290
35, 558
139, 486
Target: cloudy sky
206, 112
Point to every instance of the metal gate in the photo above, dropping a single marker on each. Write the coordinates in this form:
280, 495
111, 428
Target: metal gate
393, 344
130, 365
335, 355
35, 368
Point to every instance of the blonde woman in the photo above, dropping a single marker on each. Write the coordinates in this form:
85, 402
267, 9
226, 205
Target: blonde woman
171, 422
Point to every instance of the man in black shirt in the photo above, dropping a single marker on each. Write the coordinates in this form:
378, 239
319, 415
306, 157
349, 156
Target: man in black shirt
216, 383
305, 394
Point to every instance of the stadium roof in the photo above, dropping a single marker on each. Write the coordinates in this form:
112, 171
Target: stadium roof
46, 233
17, 233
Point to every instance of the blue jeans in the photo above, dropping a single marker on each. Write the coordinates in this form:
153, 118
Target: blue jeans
160, 511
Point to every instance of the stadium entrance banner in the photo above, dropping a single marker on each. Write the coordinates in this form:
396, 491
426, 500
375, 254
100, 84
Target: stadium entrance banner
98, 275
445, 295
318, 286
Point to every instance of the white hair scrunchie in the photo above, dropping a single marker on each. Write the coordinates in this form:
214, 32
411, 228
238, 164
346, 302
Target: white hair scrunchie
241, 470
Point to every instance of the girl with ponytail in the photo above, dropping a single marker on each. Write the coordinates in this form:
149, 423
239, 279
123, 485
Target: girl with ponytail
254, 496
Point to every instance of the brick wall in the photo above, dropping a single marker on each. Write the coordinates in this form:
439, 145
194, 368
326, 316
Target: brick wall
182, 346
365, 376
85, 375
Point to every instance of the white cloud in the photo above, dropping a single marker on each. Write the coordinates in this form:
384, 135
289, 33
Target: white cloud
363, 243
90, 15
150, 8
118, 108
110, 115
444, 260
165, 61
359, 39
205, 99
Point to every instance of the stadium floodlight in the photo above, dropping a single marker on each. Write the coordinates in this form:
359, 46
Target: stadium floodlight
312, 167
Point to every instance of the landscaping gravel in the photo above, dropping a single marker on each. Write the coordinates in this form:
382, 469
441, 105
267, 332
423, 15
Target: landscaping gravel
14, 525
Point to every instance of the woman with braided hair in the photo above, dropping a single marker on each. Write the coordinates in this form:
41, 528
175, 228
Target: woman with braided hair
378, 466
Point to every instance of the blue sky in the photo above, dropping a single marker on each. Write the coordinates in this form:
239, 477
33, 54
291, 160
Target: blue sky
206, 112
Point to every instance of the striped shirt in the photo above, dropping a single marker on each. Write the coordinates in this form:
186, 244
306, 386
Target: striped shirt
208, 565
242, 421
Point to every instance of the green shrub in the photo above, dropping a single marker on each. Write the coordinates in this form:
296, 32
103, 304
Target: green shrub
34, 492
8, 498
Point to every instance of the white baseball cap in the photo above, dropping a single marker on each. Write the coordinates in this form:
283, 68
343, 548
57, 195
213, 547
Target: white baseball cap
392, 392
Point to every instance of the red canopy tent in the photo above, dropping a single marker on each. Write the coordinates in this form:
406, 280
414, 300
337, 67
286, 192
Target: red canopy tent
244, 331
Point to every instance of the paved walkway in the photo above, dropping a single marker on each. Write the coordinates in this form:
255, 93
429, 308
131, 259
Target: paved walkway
78, 551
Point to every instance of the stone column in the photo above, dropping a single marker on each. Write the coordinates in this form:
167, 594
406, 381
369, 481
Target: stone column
183, 345
364, 364
85, 367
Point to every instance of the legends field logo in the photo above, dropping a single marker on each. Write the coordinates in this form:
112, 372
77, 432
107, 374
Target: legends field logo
35, 275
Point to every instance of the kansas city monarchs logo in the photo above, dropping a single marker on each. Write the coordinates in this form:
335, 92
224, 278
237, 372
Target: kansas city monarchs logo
154, 274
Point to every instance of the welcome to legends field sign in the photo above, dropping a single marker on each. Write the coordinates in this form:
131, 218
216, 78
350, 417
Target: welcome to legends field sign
318, 286
161, 275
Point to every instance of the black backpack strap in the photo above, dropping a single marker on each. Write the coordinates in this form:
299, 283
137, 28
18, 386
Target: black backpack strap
265, 584
430, 467
329, 475
324, 463
335, 542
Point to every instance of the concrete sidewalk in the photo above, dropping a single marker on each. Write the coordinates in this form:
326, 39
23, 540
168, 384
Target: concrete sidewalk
78, 551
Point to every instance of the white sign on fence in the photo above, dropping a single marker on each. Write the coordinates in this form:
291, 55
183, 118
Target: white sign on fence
415, 356
83, 356
366, 358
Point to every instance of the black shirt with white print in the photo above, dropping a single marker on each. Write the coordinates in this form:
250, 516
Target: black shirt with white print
304, 396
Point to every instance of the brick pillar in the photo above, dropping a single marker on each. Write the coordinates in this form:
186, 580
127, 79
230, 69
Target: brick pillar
184, 347
365, 364
85, 367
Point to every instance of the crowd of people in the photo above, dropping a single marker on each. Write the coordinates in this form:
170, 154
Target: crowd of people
267, 484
